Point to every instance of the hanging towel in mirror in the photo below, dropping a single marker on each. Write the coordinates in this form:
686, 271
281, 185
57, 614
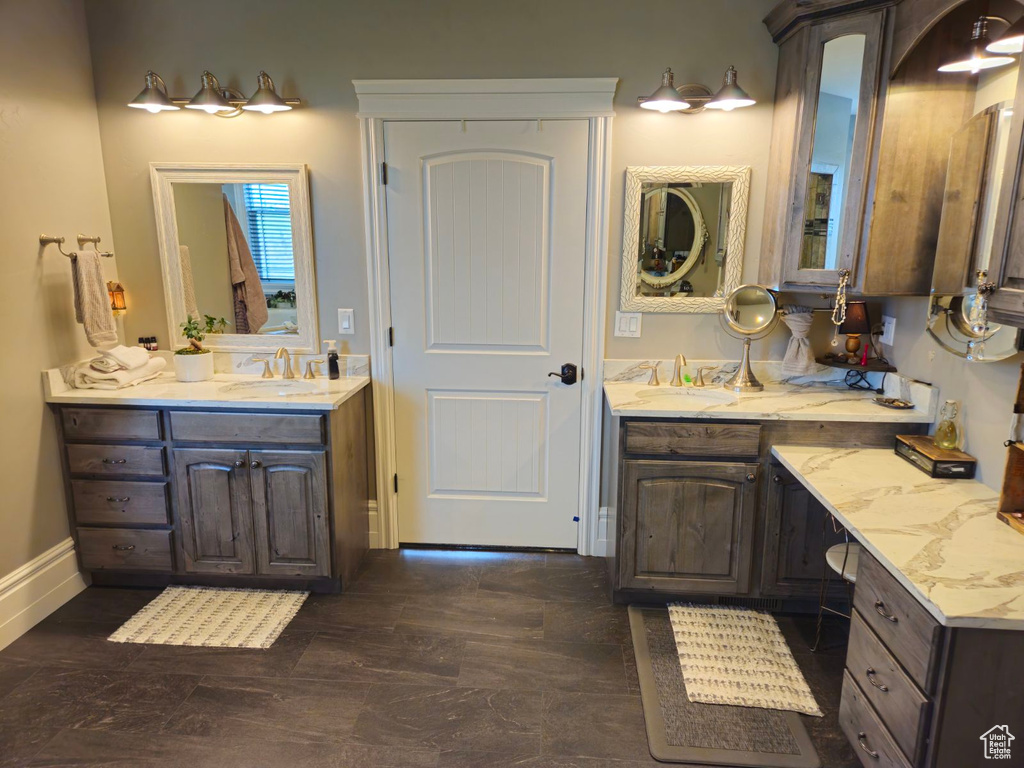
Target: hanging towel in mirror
92, 302
250, 301
188, 284
799, 358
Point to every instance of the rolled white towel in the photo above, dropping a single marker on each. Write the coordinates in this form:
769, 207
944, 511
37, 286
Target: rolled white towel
128, 358
87, 377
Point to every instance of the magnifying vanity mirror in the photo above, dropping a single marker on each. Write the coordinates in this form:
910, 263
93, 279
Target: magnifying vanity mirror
683, 233
751, 312
235, 246
975, 187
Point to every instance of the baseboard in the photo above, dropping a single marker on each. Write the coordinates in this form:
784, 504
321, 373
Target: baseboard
35, 590
604, 544
374, 525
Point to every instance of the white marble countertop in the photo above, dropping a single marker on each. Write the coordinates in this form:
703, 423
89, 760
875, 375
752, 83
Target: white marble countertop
939, 538
815, 401
230, 391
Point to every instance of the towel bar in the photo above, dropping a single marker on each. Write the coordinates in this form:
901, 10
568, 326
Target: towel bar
45, 240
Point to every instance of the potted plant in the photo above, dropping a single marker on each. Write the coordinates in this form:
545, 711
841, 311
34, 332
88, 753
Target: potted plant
194, 362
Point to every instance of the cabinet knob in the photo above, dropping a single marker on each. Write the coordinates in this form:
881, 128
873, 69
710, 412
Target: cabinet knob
240, 463
751, 477
776, 479
255, 463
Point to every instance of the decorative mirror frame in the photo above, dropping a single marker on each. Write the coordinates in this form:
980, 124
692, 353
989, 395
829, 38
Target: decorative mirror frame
163, 175
739, 177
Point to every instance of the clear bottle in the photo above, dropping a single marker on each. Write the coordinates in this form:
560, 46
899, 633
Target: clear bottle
946, 434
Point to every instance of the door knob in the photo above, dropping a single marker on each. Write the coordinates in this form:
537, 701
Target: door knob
567, 374
255, 463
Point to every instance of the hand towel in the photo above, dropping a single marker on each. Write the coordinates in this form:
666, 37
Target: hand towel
188, 284
92, 302
799, 358
128, 358
86, 377
250, 301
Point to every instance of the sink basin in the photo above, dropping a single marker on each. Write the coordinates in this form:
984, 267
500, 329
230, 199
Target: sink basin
271, 388
705, 395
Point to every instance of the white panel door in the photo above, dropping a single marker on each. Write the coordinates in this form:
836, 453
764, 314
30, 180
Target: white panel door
486, 227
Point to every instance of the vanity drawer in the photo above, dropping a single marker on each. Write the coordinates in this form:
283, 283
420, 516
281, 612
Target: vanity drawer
899, 621
120, 549
110, 424
692, 438
200, 426
106, 502
871, 741
116, 460
899, 704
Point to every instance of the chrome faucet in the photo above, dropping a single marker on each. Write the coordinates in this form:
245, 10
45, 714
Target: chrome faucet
283, 353
677, 373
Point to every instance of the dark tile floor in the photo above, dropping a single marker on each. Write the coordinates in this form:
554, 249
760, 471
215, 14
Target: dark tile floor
432, 659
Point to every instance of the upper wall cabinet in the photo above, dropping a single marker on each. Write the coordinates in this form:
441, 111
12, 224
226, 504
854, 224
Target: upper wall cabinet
861, 140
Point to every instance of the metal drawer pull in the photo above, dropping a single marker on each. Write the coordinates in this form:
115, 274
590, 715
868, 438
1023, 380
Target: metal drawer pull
880, 609
777, 479
256, 464
751, 477
862, 739
870, 672
240, 462
115, 461
119, 499
124, 547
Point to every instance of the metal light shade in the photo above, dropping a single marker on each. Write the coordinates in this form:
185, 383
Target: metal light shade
153, 98
210, 97
265, 99
666, 98
1011, 41
730, 96
975, 56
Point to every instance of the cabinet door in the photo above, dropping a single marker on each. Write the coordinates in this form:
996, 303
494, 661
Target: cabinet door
290, 513
214, 510
797, 533
687, 527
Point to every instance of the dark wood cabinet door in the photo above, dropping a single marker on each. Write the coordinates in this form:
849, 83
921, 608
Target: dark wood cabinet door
290, 513
687, 527
214, 510
797, 532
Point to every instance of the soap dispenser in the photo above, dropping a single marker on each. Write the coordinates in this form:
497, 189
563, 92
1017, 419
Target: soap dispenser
332, 359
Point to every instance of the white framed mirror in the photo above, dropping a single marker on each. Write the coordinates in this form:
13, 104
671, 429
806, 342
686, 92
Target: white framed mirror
683, 234
236, 246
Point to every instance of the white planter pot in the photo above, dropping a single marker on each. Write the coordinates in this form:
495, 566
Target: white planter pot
194, 367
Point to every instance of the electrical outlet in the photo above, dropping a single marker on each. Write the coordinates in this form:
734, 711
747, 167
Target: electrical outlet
628, 324
888, 330
346, 321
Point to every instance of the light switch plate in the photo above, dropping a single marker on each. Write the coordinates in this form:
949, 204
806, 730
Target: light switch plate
888, 330
628, 324
346, 321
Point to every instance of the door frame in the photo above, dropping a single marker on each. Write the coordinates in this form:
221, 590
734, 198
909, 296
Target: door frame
381, 101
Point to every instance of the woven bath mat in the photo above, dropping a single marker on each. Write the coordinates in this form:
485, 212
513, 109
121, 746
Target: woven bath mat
738, 656
212, 617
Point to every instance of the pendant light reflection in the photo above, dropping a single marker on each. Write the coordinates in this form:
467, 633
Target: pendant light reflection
1011, 41
210, 96
265, 99
730, 96
153, 98
974, 56
666, 98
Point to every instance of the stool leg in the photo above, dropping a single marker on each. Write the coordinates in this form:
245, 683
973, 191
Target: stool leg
826, 580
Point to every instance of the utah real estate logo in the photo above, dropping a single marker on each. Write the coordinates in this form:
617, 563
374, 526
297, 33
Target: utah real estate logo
997, 742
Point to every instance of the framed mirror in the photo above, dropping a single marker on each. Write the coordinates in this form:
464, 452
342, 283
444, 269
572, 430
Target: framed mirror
236, 246
683, 236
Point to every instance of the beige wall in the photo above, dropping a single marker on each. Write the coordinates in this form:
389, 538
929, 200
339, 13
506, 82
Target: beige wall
199, 214
52, 182
315, 48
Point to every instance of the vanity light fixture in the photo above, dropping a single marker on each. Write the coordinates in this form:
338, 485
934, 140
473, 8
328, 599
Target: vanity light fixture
975, 54
153, 98
1011, 41
692, 98
213, 98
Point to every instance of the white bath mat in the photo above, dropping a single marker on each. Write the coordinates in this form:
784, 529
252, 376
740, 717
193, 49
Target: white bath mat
738, 656
213, 617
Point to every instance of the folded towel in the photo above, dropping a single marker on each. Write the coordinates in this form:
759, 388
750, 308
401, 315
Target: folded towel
128, 358
105, 365
92, 302
87, 377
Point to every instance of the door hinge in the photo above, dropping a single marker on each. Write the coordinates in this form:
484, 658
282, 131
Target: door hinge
396, 482
391, 336
384, 173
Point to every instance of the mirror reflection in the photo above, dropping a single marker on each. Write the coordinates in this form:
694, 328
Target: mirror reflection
683, 236
835, 122
236, 255
750, 309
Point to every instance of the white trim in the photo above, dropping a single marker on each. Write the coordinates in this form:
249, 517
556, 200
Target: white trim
374, 524
604, 546
486, 99
571, 98
35, 590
